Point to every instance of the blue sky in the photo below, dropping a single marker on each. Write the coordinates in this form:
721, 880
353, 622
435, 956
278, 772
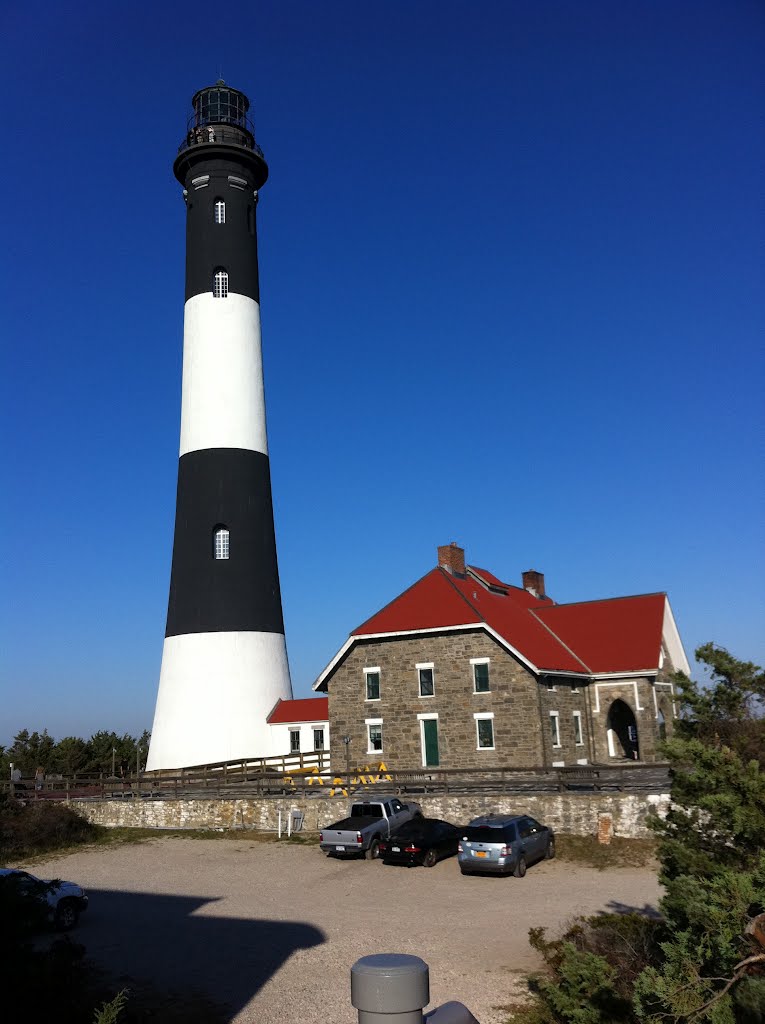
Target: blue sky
511, 282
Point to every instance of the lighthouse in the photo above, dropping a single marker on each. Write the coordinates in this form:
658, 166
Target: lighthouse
224, 659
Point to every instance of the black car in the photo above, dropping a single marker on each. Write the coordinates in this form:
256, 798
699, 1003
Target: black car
422, 841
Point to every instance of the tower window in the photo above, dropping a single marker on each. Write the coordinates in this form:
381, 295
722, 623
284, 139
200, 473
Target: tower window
220, 543
220, 284
220, 211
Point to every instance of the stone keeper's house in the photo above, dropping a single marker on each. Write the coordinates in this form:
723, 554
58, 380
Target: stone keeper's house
465, 671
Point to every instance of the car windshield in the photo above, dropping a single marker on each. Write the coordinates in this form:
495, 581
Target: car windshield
483, 834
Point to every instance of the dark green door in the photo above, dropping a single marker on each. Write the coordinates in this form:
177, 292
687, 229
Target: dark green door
430, 732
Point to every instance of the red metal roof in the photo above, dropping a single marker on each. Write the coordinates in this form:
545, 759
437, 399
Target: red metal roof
430, 603
615, 635
306, 709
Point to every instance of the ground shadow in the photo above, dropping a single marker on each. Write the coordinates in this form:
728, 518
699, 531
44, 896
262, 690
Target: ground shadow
647, 910
176, 944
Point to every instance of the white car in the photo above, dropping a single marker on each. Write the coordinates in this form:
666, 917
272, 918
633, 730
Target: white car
66, 900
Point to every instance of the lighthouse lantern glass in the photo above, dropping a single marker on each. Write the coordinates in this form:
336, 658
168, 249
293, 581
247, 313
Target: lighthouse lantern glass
220, 106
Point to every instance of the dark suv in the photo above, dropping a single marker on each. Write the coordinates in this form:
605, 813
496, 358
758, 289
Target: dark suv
499, 844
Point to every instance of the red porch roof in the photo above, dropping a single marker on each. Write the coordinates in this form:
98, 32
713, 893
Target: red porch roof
305, 709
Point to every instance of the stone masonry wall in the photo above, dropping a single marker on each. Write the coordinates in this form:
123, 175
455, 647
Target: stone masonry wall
513, 698
567, 697
567, 813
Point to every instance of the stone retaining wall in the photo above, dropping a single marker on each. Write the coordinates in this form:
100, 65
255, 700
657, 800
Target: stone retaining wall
568, 813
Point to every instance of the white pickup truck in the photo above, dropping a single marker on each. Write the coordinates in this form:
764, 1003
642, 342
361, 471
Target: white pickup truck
368, 823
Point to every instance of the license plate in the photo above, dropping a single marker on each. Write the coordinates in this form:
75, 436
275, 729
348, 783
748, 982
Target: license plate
480, 853
395, 849
340, 849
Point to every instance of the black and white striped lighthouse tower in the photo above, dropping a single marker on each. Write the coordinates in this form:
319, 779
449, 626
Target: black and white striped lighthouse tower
224, 661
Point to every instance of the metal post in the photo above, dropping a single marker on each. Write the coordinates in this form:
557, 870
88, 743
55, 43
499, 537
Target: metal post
390, 988
347, 742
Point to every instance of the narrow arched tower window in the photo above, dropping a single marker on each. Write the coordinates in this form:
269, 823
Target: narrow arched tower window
220, 284
220, 543
220, 211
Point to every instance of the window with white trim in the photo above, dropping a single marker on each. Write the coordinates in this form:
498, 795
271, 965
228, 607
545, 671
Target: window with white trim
220, 211
294, 741
578, 735
484, 728
318, 739
374, 735
221, 543
372, 683
425, 679
481, 682
555, 728
575, 688
550, 683
220, 284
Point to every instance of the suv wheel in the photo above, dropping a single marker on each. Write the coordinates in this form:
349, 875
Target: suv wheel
550, 851
430, 859
520, 867
66, 915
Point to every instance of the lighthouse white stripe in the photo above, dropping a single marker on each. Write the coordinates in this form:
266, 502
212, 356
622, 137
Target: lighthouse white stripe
223, 404
215, 691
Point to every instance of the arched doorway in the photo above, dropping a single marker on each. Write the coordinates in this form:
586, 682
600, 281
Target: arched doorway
622, 731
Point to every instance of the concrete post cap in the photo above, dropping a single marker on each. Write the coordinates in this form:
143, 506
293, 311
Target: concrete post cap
390, 983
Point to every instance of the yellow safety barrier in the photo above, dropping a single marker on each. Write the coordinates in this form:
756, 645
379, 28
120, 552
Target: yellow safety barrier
337, 785
365, 776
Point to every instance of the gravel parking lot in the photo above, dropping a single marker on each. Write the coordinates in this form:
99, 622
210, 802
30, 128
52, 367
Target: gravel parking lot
272, 930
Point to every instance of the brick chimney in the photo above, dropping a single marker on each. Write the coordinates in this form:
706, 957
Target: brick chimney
452, 558
534, 582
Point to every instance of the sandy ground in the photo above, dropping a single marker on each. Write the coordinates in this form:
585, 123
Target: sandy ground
271, 930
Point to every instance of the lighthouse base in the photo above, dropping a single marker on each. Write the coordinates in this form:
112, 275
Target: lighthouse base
215, 691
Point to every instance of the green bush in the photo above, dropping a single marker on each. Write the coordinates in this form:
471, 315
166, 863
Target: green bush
591, 970
40, 828
699, 964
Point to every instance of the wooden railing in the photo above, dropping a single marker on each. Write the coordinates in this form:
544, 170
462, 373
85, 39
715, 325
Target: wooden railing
309, 774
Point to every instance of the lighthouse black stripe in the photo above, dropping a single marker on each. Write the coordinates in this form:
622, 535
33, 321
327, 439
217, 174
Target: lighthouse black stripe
229, 487
231, 246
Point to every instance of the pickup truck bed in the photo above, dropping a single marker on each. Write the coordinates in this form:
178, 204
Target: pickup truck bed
357, 824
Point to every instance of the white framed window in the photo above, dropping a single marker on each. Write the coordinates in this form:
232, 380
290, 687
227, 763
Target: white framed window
578, 735
318, 739
220, 211
484, 730
555, 728
481, 682
372, 683
374, 735
220, 284
575, 688
550, 683
425, 679
294, 741
221, 543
